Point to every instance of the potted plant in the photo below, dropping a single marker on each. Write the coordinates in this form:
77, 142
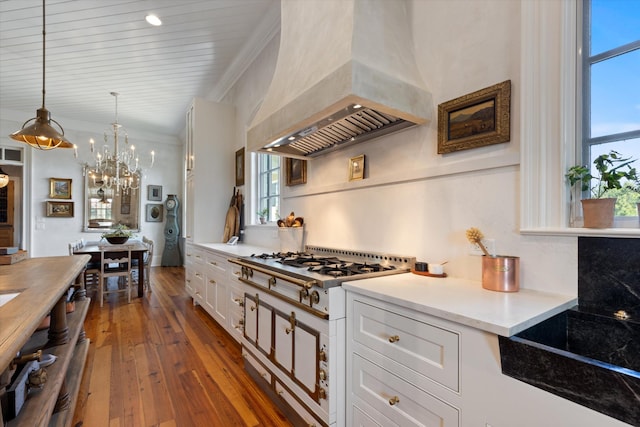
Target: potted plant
262, 215
612, 169
119, 235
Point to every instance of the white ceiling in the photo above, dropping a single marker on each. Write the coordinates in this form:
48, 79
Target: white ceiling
94, 47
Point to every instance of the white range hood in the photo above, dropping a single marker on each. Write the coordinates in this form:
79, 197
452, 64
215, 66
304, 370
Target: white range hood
345, 73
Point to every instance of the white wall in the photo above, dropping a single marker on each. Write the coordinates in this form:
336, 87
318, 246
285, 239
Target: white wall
50, 236
414, 201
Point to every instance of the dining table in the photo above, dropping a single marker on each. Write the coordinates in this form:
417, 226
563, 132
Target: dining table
138, 249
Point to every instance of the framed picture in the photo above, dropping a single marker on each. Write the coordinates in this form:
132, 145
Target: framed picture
356, 168
475, 120
60, 209
154, 212
60, 188
296, 171
240, 167
154, 192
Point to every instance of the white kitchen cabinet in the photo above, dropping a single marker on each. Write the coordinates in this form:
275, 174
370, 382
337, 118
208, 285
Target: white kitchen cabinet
400, 370
216, 287
235, 302
440, 310
209, 168
194, 274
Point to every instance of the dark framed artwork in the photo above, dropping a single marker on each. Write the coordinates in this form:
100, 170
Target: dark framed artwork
296, 171
154, 212
154, 193
240, 167
60, 188
60, 209
475, 120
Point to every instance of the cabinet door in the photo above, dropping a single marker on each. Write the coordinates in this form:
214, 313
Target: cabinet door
220, 310
250, 319
296, 351
283, 341
265, 322
306, 357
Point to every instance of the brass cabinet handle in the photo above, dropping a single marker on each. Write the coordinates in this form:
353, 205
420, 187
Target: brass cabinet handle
322, 356
213, 263
394, 338
253, 308
322, 393
394, 400
322, 374
212, 281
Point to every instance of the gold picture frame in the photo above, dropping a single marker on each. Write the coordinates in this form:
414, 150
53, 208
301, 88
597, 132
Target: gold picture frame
60, 188
60, 209
475, 120
356, 168
240, 167
296, 171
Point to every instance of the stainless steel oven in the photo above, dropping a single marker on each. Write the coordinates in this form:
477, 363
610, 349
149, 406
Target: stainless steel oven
294, 325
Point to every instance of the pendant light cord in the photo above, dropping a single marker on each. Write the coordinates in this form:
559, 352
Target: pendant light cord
44, 33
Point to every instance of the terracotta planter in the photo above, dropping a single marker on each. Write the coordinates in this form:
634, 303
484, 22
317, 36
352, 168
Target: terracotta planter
598, 213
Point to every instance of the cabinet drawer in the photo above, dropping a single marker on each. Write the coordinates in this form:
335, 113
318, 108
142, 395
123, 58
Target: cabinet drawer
360, 419
422, 348
216, 262
377, 390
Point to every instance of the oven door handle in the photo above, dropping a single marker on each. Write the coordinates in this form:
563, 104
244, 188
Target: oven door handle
307, 284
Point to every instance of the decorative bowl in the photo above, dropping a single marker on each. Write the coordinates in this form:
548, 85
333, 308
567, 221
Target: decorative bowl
117, 240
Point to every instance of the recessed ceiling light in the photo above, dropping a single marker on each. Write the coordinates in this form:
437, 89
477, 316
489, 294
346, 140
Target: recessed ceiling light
153, 20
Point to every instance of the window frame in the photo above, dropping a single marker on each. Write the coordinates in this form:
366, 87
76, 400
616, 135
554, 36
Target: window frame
549, 113
260, 197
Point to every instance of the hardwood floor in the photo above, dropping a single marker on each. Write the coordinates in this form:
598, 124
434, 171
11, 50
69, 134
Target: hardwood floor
160, 361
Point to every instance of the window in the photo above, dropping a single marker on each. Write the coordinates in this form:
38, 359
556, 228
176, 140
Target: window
611, 92
269, 186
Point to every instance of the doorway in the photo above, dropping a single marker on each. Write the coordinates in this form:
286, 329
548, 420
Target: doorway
7, 215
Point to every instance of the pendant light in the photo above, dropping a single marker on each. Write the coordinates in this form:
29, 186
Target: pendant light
4, 178
41, 134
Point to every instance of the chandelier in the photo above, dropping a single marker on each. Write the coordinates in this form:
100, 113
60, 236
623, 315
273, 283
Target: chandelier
114, 168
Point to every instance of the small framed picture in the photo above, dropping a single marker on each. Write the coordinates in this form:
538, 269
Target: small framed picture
60, 188
154, 212
240, 167
60, 209
296, 171
154, 193
476, 119
356, 168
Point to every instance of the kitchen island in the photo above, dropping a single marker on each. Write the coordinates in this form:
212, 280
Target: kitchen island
40, 286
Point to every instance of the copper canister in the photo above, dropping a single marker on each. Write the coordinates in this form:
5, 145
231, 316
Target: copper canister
501, 273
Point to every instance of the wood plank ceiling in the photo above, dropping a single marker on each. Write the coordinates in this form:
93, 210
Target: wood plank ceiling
94, 47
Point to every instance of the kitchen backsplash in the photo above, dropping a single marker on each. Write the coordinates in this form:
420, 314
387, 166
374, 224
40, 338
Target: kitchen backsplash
609, 275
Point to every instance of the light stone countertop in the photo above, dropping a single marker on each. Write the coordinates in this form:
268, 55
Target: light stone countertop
239, 249
465, 301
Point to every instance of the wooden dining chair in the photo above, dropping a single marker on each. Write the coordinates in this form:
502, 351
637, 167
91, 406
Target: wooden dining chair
91, 273
115, 262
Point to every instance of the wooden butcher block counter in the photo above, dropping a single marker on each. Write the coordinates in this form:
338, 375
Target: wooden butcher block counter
42, 284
